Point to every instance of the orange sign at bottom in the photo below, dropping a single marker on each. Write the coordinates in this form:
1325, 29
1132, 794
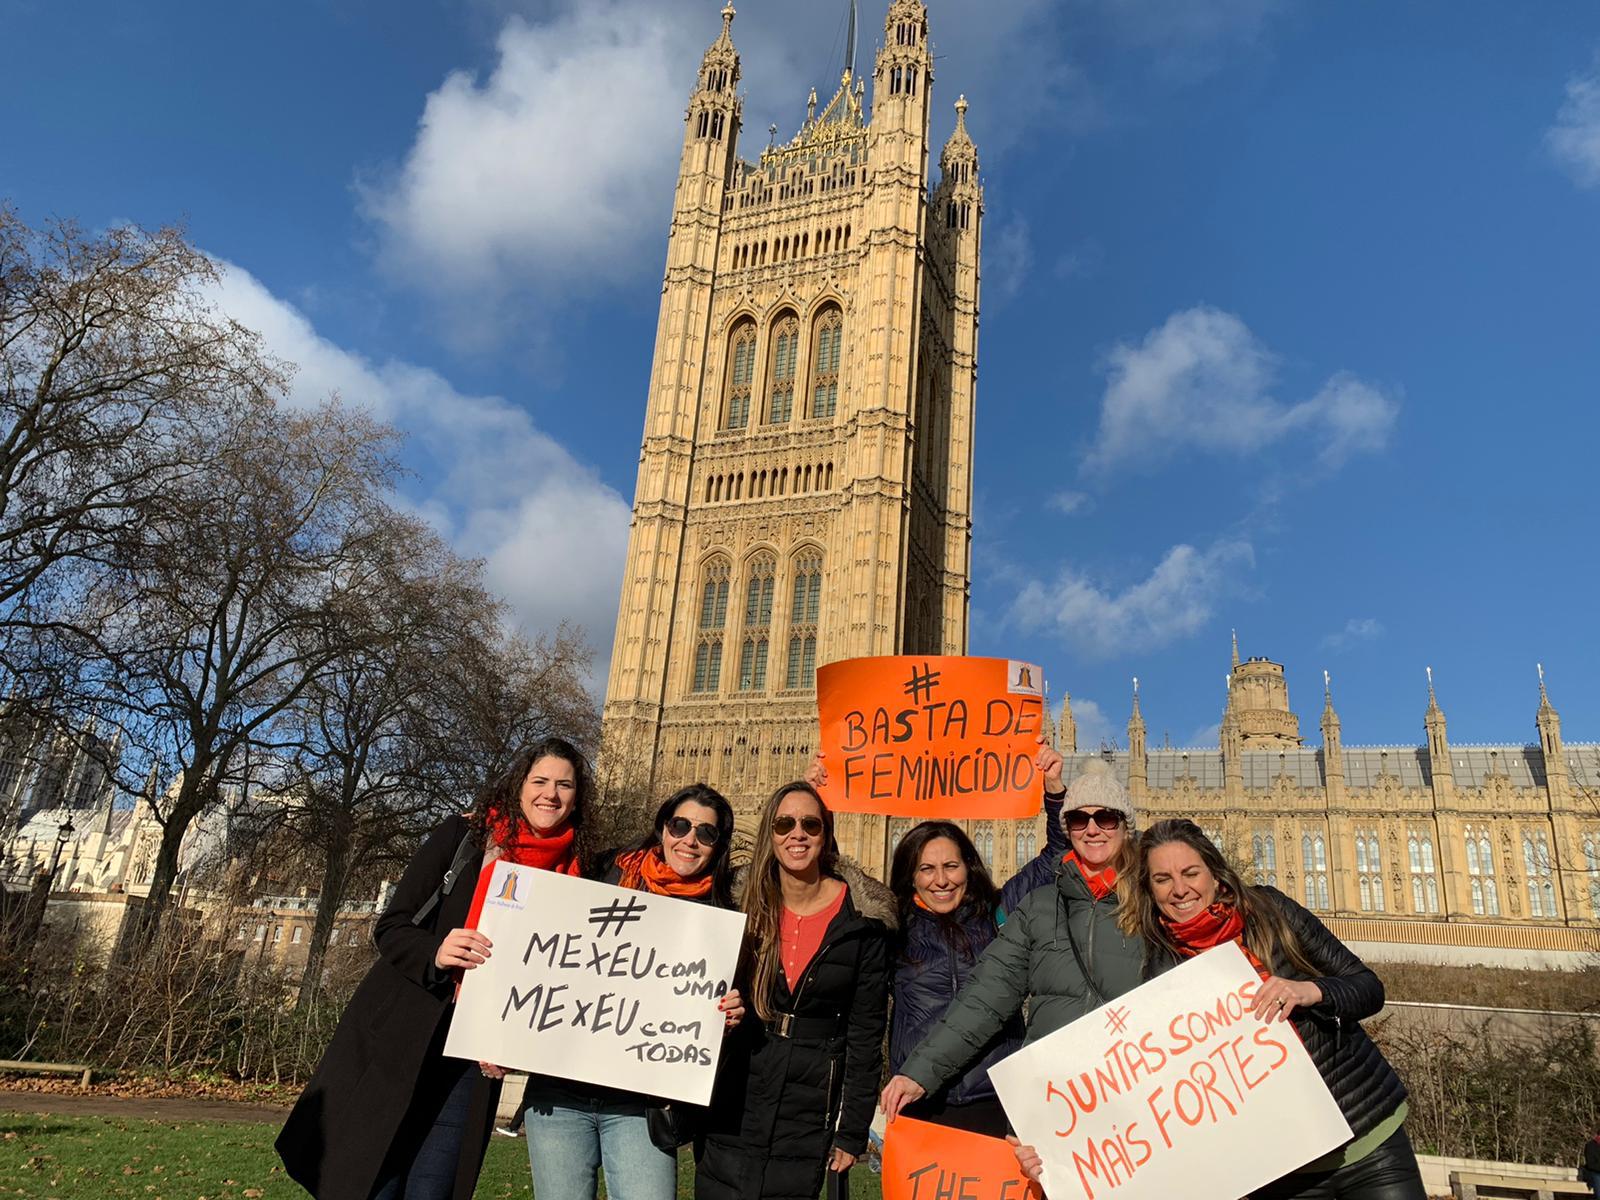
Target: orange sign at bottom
923, 1161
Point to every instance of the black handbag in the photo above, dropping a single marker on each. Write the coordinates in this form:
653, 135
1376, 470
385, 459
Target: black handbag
668, 1127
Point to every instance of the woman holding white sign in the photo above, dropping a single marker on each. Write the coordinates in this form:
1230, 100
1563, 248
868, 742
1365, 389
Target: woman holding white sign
1185, 899
576, 1128
795, 1099
1060, 953
386, 1116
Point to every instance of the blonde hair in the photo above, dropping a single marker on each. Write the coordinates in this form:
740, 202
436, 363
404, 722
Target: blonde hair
762, 900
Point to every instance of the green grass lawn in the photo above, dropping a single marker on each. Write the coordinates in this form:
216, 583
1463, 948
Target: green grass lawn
99, 1158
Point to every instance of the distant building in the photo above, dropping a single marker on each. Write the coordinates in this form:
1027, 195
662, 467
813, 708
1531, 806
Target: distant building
1437, 852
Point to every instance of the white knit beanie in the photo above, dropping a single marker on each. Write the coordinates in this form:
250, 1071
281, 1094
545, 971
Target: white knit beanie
1097, 786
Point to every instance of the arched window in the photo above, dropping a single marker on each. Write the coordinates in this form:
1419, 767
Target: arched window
785, 350
713, 620
1480, 872
983, 839
741, 369
1369, 869
1591, 862
1265, 857
1314, 859
801, 671
1424, 882
1536, 857
898, 828
757, 625
825, 363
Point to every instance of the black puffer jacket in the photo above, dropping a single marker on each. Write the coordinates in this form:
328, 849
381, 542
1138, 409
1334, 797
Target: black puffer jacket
929, 971
782, 1103
1362, 1081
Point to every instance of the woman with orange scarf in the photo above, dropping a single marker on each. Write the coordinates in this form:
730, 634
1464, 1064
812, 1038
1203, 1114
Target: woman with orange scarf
386, 1115
1186, 899
573, 1128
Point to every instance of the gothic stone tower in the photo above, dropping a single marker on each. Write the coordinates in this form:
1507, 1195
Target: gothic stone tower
805, 489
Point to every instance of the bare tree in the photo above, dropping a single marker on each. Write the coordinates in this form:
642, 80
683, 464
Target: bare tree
210, 615
111, 356
360, 789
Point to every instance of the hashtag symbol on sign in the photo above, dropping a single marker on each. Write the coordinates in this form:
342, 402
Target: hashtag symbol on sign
1117, 1020
616, 913
921, 684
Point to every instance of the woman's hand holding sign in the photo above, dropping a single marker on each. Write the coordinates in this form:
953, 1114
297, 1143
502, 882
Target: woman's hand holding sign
1277, 998
899, 1092
1028, 1159
464, 948
1048, 763
732, 1007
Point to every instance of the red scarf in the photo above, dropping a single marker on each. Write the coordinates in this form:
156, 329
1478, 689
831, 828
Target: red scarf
517, 843
1101, 883
646, 871
1212, 927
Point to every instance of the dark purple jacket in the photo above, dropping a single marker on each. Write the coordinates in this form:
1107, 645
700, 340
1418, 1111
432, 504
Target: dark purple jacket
929, 971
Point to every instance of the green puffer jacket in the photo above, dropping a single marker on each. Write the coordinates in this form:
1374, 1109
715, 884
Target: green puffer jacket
1031, 959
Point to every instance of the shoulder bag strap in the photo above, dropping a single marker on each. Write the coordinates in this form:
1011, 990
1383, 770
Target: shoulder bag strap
465, 849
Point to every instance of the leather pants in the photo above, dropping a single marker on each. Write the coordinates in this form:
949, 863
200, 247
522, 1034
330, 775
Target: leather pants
1388, 1173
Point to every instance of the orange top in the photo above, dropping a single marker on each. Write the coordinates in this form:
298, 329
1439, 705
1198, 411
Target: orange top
801, 937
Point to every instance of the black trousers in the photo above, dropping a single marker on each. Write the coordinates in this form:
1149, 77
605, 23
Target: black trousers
1388, 1173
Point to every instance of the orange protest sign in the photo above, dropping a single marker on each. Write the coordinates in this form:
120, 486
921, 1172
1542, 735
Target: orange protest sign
931, 736
922, 1161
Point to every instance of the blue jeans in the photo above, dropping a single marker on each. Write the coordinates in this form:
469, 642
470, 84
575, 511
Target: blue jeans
571, 1133
428, 1172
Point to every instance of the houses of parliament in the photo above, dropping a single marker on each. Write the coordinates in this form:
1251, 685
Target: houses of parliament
804, 495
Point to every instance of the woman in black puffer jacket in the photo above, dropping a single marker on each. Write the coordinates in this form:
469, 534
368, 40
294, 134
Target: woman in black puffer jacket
949, 913
795, 1089
1186, 899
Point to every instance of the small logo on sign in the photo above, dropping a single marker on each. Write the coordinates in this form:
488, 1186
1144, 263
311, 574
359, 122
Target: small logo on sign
1023, 679
506, 896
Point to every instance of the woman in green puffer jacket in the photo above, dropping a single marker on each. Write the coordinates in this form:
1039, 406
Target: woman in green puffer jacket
1060, 951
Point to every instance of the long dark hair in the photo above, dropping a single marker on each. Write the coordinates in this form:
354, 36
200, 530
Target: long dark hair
982, 896
763, 894
502, 802
721, 854
1266, 931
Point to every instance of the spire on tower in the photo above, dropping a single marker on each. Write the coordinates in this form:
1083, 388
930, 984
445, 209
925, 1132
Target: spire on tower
1236, 649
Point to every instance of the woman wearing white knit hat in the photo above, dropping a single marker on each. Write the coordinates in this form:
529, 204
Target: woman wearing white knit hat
1064, 939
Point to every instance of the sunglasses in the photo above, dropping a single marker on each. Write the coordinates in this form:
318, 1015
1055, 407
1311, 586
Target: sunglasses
1105, 818
705, 833
784, 825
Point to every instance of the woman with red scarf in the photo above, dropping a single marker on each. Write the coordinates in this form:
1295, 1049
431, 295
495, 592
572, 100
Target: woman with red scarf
1060, 951
387, 1116
1186, 899
576, 1128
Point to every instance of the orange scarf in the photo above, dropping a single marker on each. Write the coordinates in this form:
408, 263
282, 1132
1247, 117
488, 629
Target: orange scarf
1212, 927
1101, 883
518, 844
646, 871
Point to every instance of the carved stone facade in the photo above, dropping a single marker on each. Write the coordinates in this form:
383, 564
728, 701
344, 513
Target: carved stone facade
804, 491
1488, 836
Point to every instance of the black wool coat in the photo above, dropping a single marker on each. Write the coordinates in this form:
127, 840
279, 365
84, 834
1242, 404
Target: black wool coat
384, 1058
782, 1103
1361, 1080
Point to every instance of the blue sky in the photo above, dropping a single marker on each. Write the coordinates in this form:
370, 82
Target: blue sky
1291, 313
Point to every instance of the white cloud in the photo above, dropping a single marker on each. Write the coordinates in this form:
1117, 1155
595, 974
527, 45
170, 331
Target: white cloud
1574, 140
551, 533
1203, 381
1072, 503
1095, 728
1207, 736
1176, 600
1008, 255
553, 169
1356, 629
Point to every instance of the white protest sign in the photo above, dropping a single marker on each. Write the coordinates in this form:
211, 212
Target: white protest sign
1174, 1089
598, 984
